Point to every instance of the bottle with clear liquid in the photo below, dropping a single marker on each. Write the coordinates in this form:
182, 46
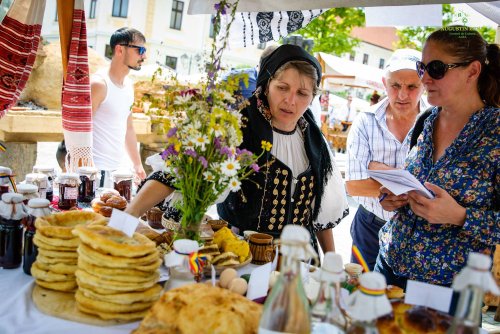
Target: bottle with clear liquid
286, 309
368, 303
472, 282
327, 313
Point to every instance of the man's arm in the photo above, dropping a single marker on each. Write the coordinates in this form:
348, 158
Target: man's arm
98, 92
367, 187
131, 147
150, 194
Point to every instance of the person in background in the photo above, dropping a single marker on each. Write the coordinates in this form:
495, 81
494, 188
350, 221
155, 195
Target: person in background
299, 183
379, 138
374, 98
347, 114
456, 158
112, 94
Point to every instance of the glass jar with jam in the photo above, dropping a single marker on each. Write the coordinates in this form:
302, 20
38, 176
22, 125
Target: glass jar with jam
29, 191
7, 183
122, 182
40, 180
12, 212
68, 190
88, 184
37, 207
51, 175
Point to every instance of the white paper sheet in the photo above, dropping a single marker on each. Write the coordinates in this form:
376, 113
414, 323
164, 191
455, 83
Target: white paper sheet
424, 294
259, 282
399, 181
124, 222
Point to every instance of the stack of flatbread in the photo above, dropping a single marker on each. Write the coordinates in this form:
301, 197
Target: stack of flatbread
116, 274
55, 264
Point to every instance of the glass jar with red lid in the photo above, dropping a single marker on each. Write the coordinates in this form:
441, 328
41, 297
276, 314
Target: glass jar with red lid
88, 184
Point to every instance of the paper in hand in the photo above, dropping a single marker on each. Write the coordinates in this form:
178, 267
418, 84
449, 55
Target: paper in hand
399, 181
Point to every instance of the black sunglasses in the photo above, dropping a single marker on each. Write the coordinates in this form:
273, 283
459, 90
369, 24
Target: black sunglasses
436, 68
142, 49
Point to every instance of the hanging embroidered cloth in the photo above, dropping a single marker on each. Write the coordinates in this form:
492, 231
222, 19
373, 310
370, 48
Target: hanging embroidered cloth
76, 102
19, 38
251, 28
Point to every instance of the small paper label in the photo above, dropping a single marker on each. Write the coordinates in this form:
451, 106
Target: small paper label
70, 193
124, 222
259, 282
424, 294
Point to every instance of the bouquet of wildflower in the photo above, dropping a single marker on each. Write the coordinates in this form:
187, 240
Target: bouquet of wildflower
202, 152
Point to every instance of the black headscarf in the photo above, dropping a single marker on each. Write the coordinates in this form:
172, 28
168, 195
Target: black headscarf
322, 168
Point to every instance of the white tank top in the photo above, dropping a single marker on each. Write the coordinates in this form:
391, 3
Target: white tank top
110, 123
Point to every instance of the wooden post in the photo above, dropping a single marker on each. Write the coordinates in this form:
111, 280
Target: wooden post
20, 157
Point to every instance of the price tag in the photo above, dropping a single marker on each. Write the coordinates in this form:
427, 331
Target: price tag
123, 221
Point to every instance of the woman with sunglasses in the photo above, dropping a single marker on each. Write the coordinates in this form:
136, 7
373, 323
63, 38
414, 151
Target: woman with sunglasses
457, 158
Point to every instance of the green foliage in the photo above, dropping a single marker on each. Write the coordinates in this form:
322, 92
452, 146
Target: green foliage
331, 31
488, 33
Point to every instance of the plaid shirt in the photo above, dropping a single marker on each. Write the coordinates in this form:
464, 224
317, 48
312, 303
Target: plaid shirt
369, 140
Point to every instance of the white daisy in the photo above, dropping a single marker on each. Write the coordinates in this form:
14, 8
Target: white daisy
234, 184
200, 141
230, 167
209, 176
180, 100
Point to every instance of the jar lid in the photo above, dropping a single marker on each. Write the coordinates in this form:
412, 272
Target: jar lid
5, 170
26, 188
87, 170
43, 169
69, 177
38, 203
122, 174
12, 198
32, 177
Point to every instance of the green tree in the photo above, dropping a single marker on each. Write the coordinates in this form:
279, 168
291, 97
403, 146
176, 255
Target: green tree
331, 31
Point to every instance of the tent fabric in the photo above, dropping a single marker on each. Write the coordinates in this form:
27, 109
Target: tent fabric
76, 102
19, 38
261, 27
489, 9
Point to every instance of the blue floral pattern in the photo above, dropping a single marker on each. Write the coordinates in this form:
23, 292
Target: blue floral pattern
469, 171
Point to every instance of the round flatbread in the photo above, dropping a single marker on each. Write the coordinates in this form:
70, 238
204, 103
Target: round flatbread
110, 307
150, 295
54, 260
58, 268
115, 242
113, 285
60, 225
58, 254
121, 260
55, 243
66, 286
145, 267
123, 275
113, 316
48, 275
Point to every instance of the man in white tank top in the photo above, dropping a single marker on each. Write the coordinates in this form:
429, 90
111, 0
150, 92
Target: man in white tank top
112, 94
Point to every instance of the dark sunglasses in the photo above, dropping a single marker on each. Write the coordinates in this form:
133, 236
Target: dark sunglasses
436, 68
142, 49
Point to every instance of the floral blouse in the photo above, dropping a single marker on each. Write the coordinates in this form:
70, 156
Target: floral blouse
469, 170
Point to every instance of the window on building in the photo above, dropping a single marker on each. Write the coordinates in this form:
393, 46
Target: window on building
120, 8
176, 16
381, 63
93, 5
352, 55
211, 32
171, 62
108, 53
365, 58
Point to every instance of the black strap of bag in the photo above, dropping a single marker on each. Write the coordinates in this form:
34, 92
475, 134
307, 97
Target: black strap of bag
419, 126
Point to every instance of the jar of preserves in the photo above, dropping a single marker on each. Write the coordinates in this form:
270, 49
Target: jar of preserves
37, 207
88, 184
40, 180
68, 190
12, 212
51, 175
122, 182
29, 191
7, 183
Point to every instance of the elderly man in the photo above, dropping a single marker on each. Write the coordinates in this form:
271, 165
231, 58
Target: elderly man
379, 139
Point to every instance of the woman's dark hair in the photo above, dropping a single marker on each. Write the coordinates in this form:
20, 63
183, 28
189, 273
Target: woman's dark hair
125, 35
468, 45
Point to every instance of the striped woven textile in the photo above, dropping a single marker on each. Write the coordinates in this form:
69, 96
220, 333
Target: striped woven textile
76, 102
19, 38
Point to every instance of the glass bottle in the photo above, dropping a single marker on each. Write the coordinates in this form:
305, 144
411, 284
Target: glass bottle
51, 175
178, 264
88, 185
68, 190
472, 282
122, 182
29, 191
327, 314
37, 207
40, 180
368, 303
12, 211
286, 309
6, 180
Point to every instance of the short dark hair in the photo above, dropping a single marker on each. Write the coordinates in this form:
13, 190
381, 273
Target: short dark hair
125, 35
